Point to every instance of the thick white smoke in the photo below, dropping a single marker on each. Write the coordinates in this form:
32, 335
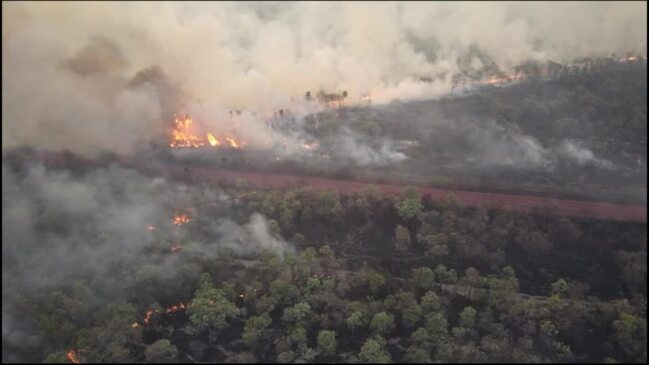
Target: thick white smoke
69, 79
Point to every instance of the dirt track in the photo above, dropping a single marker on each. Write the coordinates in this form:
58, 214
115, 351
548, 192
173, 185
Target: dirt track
571, 208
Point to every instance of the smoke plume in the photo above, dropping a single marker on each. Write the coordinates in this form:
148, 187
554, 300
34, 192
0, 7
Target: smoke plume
108, 78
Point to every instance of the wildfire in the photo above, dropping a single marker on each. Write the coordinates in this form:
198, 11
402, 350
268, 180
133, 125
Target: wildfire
149, 314
182, 135
232, 142
176, 308
180, 219
72, 356
310, 146
176, 248
151, 227
213, 141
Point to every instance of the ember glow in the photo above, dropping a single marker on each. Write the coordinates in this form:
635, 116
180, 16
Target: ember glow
147, 316
311, 146
176, 308
72, 356
176, 248
151, 227
149, 313
180, 219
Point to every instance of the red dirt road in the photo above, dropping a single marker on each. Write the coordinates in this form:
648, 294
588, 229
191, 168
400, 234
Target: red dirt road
572, 208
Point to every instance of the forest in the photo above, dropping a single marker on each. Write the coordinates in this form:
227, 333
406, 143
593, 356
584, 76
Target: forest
366, 277
324, 182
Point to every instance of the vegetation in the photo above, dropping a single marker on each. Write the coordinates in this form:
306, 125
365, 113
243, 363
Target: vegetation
364, 285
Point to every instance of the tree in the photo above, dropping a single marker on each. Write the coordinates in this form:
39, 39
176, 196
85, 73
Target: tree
417, 355
286, 357
282, 292
373, 351
210, 309
467, 317
430, 302
560, 288
327, 342
411, 314
312, 285
161, 351
297, 313
444, 275
631, 335
436, 244
374, 280
424, 277
327, 258
58, 357
402, 238
406, 305
382, 323
254, 328
437, 328
410, 206
109, 340
356, 320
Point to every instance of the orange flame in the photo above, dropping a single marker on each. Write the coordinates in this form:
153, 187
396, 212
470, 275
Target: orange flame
182, 134
176, 248
149, 313
147, 316
176, 308
213, 141
232, 142
72, 356
180, 219
151, 227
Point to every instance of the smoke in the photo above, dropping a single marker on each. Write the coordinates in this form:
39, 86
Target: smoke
583, 156
106, 79
359, 149
250, 238
58, 228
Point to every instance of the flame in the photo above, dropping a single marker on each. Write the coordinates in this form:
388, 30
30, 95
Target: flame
232, 142
176, 248
147, 316
151, 227
180, 219
182, 134
149, 313
213, 141
72, 356
176, 308
241, 296
310, 146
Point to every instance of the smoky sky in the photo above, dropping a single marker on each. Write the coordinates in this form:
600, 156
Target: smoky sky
105, 77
